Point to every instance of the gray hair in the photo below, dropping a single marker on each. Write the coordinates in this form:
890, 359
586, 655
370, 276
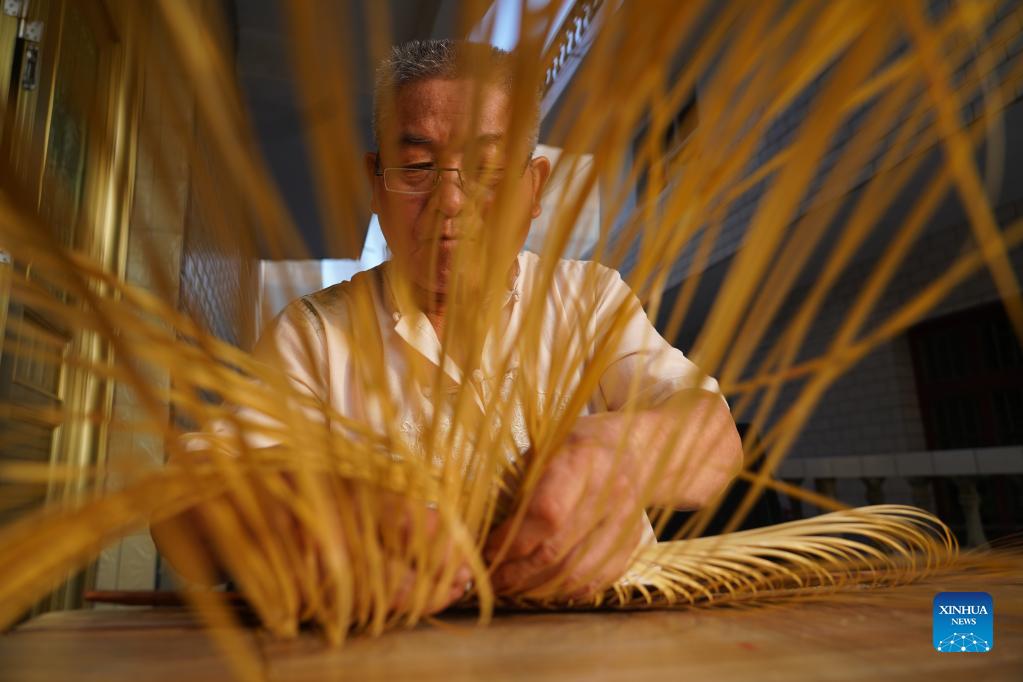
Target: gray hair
418, 60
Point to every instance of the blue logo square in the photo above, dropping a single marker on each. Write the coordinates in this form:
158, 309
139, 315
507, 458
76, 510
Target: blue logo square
964, 622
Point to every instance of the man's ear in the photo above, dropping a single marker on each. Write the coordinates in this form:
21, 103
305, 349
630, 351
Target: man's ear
540, 167
370, 161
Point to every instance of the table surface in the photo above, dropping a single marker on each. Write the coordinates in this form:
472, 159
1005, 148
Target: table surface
871, 634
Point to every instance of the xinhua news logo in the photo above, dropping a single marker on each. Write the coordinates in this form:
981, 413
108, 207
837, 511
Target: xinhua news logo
964, 622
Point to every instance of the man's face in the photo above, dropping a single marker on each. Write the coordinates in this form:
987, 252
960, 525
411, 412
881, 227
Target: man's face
433, 125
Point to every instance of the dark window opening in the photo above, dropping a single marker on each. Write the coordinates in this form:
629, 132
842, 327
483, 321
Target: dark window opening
672, 140
969, 378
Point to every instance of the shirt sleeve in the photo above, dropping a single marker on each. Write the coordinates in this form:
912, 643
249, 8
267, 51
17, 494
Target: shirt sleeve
644, 370
292, 344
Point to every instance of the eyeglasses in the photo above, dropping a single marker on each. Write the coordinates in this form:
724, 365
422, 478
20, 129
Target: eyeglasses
423, 180
419, 180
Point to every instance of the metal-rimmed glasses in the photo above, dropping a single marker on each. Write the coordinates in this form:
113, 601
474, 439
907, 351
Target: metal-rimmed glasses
424, 179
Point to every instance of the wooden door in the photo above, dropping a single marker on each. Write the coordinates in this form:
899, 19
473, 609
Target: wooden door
66, 101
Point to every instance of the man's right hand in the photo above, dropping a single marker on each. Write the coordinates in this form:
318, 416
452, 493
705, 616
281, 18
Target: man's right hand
431, 527
222, 541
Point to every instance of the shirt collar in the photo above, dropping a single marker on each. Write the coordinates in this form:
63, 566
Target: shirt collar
412, 325
399, 302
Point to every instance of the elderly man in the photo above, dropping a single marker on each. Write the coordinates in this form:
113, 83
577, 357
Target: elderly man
430, 109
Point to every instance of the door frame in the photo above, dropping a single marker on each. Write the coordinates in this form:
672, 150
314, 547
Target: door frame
79, 443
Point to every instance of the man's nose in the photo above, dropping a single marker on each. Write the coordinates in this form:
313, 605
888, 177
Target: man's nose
449, 195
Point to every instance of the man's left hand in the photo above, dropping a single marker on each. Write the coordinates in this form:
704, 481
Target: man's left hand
581, 525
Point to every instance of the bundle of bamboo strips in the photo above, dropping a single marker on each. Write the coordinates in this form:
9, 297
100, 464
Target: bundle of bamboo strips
321, 526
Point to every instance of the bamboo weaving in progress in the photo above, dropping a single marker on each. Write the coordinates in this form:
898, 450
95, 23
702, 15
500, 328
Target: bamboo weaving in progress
318, 517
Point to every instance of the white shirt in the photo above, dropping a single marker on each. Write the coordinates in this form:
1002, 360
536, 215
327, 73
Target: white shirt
353, 370
323, 354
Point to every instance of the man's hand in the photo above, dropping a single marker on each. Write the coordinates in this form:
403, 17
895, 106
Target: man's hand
209, 528
403, 527
580, 527
430, 528
583, 521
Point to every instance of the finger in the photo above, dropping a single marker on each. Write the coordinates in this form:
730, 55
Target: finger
404, 582
438, 543
436, 574
418, 520
597, 562
607, 553
456, 578
518, 575
522, 575
455, 593
518, 572
463, 575
548, 509
432, 549
431, 597
460, 586
563, 551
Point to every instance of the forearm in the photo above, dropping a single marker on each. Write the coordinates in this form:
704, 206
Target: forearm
680, 454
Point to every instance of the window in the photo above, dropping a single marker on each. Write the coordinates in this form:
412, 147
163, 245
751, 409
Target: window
969, 377
673, 140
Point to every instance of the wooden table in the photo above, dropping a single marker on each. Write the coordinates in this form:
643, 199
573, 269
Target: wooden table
869, 635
